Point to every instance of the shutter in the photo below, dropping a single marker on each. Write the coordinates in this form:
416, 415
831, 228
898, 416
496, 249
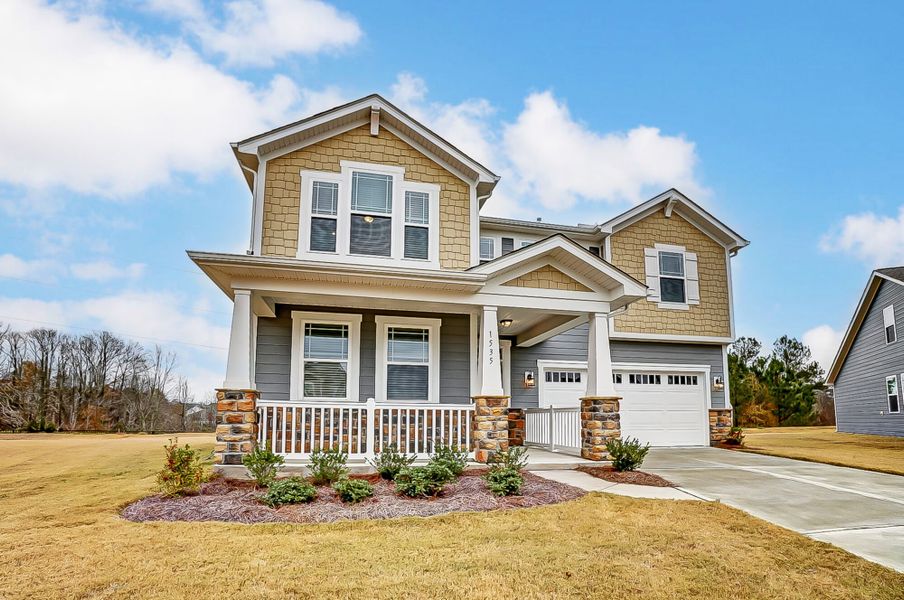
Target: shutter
508, 244
693, 280
651, 263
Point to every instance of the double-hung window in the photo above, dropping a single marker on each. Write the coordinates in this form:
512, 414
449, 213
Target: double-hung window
371, 214
324, 215
671, 277
888, 318
407, 359
891, 390
417, 225
487, 248
324, 356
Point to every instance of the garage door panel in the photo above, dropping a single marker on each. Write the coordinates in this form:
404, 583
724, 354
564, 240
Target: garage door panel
669, 410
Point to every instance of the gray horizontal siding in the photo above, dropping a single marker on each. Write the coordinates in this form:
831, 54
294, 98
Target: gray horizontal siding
274, 349
860, 396
572, 345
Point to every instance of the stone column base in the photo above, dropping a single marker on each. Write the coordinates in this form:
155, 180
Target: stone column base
489, 427
236, 425
600, 422
719, 425
516, 426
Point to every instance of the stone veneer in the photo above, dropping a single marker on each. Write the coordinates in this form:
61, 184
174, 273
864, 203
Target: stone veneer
600, 422
516, 425
236, 425
719, 425
489, 427
548, 278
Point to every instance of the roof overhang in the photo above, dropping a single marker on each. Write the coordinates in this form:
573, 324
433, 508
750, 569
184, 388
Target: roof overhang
377, 111
674, 201
866, 300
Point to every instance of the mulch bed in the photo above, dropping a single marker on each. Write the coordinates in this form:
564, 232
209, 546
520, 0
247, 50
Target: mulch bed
237, 501
632, 477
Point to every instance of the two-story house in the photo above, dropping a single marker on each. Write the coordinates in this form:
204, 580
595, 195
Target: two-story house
375, 305
868, 371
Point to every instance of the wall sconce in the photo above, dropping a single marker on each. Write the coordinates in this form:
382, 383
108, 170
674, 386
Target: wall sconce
529, 380
505, 323
718, 384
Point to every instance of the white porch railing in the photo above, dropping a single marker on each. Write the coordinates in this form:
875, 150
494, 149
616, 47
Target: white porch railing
554, 429
295, 429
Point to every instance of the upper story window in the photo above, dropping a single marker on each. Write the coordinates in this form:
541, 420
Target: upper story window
888, 317
671, 276
508, 245
370, 213
891, 391
487, 248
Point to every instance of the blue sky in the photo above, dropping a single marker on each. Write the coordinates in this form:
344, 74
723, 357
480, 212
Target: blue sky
783, 120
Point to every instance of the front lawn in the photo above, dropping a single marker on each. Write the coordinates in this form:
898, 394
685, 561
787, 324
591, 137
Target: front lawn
823, 444
61, 537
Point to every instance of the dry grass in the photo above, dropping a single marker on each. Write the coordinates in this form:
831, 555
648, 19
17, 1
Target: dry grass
823, 444
61, 537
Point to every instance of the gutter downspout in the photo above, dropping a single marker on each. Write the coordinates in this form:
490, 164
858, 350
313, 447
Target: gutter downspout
250, 250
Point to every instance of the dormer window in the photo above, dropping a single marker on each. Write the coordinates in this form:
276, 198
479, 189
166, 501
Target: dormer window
888, 316
369, 214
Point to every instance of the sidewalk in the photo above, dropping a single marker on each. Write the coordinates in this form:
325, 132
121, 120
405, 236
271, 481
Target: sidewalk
590, 483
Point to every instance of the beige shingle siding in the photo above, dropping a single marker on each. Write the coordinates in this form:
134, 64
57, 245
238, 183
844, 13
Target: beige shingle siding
710, 317
282, 193
548, 278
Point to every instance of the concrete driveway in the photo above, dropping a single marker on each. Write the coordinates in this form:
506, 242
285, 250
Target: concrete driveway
860, 511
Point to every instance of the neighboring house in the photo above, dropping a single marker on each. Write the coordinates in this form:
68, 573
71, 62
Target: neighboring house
868, 372
377, 307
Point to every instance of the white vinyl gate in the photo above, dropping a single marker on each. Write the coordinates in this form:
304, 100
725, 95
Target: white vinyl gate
554, 429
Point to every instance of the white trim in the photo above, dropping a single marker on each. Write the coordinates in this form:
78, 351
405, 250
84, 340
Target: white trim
888, 320
888, 396
726, 390
296, 370
567, 365
314, 139
474, 234
432, 326
506, 364
474, 323
258, 196
666, 337
731, 320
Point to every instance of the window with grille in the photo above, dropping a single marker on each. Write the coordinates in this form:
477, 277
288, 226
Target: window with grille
563, 376
671, 277
417, 225
487, 249
325, 361
682, 380
371, 214
324, 211
644, 379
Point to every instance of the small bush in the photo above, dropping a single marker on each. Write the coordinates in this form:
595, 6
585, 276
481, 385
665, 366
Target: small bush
735, 437
451, 457
40, 426
293, 490
263, 464
423, 482
328, 466
515, 457
390, 461
504, 481
353, 490
626, 454
182, 472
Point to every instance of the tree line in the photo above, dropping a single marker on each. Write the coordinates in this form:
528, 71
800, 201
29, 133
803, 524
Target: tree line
92, 382
782, 387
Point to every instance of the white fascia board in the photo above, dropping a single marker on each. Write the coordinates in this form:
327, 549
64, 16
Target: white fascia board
866, 299
665, 337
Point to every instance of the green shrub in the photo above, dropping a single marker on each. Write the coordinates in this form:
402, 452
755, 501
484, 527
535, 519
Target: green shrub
451, 457
735, 437
626, 454
328, 466
515, 457
504, 481
353, 490
293, 490
263, 464
390, 461
423, 482
40, 426
183, 471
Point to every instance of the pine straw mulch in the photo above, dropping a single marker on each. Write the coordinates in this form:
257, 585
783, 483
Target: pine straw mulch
237, 502
632, 477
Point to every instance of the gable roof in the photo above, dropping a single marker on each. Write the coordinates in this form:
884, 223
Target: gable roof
331, 122
893, 274
673, 200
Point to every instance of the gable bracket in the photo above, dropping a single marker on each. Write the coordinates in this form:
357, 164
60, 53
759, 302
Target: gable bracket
374, 120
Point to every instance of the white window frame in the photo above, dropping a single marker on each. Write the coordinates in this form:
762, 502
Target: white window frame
690, 278
888, 320
343, 252
382, 362
680, 250
888, 395
296, 371
480, 247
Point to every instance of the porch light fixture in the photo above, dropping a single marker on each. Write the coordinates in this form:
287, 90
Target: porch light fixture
505, 323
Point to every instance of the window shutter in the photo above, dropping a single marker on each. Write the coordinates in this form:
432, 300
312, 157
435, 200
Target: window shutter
651, 262
693, 280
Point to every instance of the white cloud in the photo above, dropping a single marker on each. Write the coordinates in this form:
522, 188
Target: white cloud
35, 270
823, 341
99, 111
874, 239
28, 313
258, 32
103, 270
559, 160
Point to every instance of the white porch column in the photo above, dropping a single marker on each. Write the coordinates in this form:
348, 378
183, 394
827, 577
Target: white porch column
238, 364
490, 369
599, 358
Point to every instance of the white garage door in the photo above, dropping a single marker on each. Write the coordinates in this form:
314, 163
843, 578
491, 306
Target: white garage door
562, 386
663, 408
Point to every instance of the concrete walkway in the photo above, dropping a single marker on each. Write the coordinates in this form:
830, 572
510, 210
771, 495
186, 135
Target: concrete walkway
590, 483
860, 511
